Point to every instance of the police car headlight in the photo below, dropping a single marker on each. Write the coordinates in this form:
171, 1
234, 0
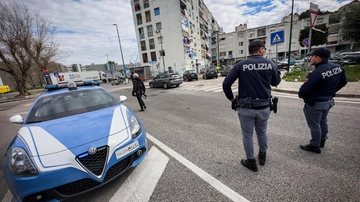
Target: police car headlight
135, 127
19, 162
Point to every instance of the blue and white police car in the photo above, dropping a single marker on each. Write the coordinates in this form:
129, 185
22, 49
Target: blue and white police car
75, 138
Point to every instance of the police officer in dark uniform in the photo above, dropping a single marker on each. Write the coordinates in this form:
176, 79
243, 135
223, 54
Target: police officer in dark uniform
318, 91
255, 75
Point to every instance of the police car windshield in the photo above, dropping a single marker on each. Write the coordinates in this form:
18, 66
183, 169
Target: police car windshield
59, 105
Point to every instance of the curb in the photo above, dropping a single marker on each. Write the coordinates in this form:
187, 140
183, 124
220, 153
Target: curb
337, 95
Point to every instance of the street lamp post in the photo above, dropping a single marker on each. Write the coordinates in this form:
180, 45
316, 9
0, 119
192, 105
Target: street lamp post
122, 57
162, 50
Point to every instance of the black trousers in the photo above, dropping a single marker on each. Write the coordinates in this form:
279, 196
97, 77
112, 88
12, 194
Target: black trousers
140, 100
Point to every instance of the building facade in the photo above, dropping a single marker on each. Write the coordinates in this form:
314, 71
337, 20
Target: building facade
174, 35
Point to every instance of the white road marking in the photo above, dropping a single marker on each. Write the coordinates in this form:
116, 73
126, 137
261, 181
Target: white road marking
144, 178
231, 194
8, 197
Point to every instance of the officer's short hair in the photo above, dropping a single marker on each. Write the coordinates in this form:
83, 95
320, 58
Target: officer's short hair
255, 46
321, 52
135, 75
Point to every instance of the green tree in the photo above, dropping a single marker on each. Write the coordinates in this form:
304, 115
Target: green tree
317, 38
351, 26
26, 43
306, 14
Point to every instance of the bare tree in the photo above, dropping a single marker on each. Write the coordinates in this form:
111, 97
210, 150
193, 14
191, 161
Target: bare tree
26, 40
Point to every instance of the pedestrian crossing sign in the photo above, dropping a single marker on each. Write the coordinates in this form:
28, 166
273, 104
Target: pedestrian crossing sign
277, 37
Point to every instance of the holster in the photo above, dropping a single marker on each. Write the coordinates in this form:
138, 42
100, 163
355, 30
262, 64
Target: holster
273, 104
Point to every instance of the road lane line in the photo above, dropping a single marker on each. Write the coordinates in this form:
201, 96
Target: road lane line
144, 178
231, 194
8, 197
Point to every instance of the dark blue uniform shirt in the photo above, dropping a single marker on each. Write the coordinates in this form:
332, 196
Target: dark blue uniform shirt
323, 82
255, 75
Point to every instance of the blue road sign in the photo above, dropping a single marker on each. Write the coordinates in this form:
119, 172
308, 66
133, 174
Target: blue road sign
277, 37
56, 74
47, 75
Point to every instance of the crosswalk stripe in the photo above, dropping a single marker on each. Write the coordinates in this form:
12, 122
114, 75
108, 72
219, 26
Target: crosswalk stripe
144, 178
222, 188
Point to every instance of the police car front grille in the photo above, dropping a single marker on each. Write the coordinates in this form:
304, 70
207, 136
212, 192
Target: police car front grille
82, 185
94, 163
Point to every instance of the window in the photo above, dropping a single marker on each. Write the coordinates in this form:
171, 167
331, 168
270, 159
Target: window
230, 52
141, 33
139, 19
151, 44
241, 43
145, 58
150, 30
148, 16
222, 53
241, 51
157, 11
146, 3
143, 45
158, 26
153, 56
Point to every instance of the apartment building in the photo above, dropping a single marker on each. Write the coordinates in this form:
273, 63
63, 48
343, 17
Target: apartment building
227, 48
173, 35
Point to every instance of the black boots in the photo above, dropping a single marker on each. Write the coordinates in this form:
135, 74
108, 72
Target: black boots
311, 148
250, 163
262, 158
322, 143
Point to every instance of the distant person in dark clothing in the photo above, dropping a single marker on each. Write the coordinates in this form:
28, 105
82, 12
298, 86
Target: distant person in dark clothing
139, 90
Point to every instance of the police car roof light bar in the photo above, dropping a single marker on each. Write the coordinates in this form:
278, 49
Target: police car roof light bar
72, 85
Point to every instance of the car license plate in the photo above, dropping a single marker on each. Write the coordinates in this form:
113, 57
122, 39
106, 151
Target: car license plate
212, 73
192, 74
128, 149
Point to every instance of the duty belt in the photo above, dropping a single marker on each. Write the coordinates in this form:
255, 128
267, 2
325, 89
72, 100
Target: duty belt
254, 103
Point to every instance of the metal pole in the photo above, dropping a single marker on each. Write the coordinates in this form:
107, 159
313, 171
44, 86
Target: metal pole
291, 22
162, 50
122, 57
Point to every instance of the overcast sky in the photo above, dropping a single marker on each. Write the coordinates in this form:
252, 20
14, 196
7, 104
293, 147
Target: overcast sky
85, 27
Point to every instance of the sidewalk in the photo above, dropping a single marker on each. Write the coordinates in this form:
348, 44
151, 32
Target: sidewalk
351, 90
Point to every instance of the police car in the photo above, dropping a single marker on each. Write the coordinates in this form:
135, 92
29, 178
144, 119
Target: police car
75, 138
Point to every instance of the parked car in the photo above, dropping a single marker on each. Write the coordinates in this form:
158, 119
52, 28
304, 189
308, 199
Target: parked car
202, 70
62, 149
115, 82
280, 65
285, 61
302, 64
4, 89
166, 80
210, 73
225, 70
352, 59
189, 75
338, 60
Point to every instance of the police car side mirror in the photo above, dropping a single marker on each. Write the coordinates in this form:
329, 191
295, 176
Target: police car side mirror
122, 98
17, 119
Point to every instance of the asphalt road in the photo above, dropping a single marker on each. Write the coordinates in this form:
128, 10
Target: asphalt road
195, 146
